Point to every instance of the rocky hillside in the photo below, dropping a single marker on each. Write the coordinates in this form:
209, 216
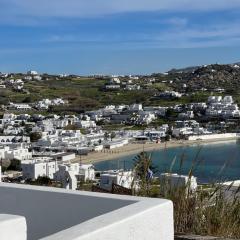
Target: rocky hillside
210, 77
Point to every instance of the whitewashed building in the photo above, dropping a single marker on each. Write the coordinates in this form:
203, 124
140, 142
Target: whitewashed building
119, 177
38, 167
178, 181
15, 152
136, 107
230, 190
11, 139
86, 124
82, 172
116, 143
19, 106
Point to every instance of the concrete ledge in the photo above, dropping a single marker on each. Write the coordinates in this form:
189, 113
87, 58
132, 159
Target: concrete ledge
12, 227
54, 214
143, 220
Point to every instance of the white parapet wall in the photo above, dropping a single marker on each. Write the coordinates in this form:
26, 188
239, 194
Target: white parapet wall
12, 227
54, 214
214, 136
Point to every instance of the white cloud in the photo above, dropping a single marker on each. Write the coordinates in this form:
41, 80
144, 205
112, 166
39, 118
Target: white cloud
177, 21
225, 34
183, 33
90, 8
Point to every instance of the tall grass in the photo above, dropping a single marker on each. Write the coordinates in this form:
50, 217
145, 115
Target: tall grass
206, 211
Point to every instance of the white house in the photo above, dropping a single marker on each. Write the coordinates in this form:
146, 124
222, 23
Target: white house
27, 78
136, 107
87, 172
228, 100
10, 130
230, 189
177, 181
15, 152
132, 87
186, 115
122, 178
145, 117
84, 172
116, 143
31, 72
38, 167
37, 77
222, 107
156, 135
115, 80
19, 106
86, 124
170, 94
184, 131
214, 99
63, 156
11, 139
67, 177
112, 87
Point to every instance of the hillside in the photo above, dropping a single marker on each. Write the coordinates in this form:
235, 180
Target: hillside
86, 93
210, 77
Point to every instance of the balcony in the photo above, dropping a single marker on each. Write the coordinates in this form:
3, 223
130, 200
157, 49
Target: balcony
32, 212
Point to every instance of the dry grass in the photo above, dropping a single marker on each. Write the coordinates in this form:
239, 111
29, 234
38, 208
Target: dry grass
203, 212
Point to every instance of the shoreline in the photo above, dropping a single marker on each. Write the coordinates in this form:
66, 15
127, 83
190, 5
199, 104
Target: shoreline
136, 148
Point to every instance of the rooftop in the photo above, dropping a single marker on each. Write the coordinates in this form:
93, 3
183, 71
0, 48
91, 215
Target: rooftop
53, 213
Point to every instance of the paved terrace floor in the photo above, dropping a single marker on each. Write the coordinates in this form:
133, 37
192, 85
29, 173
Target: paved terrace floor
47, 212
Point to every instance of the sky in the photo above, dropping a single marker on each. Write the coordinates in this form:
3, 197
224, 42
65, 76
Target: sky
117, 36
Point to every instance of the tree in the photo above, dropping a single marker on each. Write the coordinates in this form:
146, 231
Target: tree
143, 170
35, 136
27, 99
84, 118
43, 181
112, 135
170, 113
106, 136
15, 165
71, 127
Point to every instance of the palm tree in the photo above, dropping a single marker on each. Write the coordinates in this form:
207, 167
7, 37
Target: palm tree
143, 171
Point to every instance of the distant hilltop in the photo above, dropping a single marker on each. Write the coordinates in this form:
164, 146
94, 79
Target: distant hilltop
213, 76
194, 68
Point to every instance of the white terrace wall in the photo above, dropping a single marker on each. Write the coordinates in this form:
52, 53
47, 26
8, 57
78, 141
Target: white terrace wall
214, 136
12, 227
54, 214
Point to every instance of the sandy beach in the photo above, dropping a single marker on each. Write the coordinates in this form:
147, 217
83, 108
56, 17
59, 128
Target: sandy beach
135, 148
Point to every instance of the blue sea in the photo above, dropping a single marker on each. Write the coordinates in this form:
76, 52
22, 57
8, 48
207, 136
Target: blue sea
212, 162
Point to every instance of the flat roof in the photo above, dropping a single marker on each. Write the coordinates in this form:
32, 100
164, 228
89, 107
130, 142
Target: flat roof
51, 210
235, 183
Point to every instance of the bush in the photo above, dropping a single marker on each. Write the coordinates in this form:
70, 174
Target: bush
203, 212
35, 136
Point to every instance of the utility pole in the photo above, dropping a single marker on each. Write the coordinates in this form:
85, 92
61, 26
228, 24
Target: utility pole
80, 158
